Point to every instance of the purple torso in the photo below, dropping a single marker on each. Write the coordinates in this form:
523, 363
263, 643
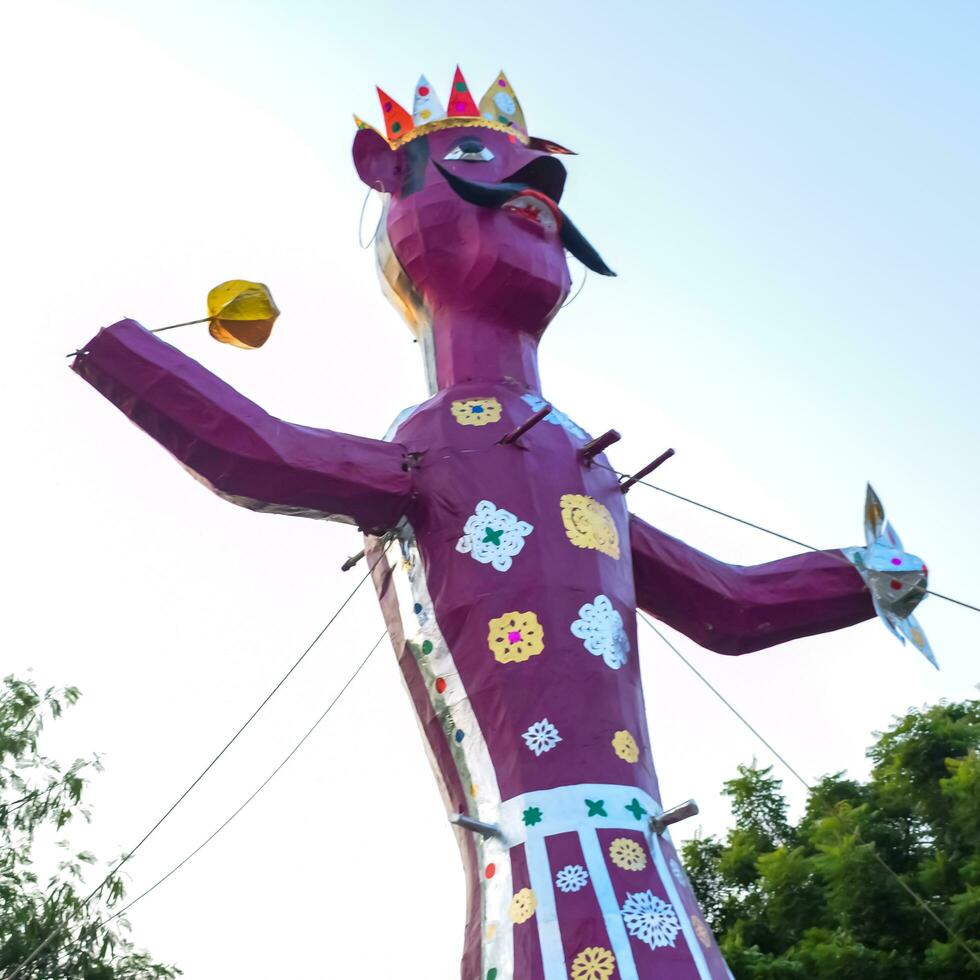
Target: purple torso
514, 707
588, 701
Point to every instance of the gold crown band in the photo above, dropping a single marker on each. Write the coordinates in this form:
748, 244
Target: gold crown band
451, 123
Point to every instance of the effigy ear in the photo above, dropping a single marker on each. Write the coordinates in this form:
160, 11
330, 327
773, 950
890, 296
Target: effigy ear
377, 164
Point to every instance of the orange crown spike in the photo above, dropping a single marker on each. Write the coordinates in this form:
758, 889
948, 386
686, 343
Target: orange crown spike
398, 122
461, 102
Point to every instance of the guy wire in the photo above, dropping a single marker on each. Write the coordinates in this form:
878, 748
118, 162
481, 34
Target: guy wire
921, 902
758, 527
350, 680
180, 799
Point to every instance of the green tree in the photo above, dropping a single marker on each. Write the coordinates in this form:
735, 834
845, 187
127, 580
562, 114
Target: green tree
814, 901
38, 794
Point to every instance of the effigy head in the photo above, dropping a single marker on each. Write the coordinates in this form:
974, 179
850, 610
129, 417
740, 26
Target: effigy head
471, 221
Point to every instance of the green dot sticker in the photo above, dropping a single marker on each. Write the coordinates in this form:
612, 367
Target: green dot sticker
427, 646
492, 973
461, 87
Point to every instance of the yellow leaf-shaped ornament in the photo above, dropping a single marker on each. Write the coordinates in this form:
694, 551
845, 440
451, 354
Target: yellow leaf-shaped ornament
242, 313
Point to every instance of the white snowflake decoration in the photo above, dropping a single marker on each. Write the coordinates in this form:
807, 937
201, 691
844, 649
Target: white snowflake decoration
541, 737
572, 878
505, 103
650, 919
555, 417
601, 630
493, 536
675, 870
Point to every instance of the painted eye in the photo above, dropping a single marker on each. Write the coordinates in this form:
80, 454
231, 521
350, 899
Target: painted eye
470, 150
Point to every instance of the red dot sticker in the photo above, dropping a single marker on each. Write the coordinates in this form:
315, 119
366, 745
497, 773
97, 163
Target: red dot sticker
423, 90
895, 584
440, 685
490, 871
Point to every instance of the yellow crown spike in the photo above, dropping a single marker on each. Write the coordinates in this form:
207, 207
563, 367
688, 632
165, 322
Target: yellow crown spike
499, 104
361, 124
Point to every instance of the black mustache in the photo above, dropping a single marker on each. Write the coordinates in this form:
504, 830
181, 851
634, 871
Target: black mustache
497, 195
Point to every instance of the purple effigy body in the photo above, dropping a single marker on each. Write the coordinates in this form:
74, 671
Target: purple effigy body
511, 587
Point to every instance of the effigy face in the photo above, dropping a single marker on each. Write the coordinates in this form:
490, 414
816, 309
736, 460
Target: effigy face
504, 259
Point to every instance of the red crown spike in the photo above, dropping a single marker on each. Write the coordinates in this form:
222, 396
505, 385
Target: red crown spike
461, 102
398, 122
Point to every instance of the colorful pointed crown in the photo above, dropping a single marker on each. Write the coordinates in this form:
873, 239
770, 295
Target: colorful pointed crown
498, 109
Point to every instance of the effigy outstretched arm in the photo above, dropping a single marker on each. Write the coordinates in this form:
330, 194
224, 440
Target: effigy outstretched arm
736, 609
236, 448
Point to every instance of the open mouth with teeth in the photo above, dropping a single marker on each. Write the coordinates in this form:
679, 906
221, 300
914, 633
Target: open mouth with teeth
537, 207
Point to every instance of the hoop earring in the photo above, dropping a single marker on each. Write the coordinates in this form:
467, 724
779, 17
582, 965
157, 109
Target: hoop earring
360, 223
581, 286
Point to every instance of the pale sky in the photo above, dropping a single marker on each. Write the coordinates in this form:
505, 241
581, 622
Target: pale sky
790, 194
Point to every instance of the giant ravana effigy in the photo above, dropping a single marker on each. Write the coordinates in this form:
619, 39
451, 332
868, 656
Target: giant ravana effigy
508, 567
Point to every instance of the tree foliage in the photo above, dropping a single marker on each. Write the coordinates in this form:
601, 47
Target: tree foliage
814, 901
39, 795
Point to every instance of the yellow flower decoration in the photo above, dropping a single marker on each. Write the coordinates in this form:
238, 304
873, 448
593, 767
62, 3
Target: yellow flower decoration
476, 411
522, 906
703, 933
627, 854
594, 963
624, 745
589, 524
515, 637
